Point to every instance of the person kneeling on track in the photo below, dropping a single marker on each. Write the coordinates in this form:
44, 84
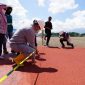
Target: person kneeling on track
65, 37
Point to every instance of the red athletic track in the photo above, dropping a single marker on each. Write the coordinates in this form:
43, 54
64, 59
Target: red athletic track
57, 66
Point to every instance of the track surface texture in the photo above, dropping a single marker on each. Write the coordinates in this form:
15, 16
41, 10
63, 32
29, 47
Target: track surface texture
56, 66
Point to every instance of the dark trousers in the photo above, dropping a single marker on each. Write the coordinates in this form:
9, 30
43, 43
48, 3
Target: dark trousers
4, 46
10, 35
2, 37
35, 41
68, 43
5, 41
48, 35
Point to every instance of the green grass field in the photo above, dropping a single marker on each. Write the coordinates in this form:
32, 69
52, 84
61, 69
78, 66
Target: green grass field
54, 41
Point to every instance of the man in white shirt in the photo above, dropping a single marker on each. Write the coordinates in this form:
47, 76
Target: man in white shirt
23, 40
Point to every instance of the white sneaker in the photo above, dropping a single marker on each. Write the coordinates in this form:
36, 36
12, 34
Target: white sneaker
1, 57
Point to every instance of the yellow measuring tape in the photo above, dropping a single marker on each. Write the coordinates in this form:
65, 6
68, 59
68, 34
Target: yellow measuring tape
16, 67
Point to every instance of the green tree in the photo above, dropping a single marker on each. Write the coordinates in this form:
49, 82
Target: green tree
74, 34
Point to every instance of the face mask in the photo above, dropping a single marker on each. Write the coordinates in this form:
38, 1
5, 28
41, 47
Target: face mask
8, 12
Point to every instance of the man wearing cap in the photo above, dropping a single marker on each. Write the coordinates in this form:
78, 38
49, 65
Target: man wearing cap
3, 26
23, 40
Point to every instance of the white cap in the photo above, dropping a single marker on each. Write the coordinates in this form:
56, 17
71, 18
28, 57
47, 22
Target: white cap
61, 32
41, 23
3, 5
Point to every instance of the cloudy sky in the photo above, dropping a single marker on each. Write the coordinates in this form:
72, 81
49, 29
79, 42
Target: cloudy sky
67, 15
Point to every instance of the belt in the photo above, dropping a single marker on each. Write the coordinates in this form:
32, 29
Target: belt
9, 23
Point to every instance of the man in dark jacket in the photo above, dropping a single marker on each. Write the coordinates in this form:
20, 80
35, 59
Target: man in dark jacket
65, 37
9, 28
48, 28
9, 21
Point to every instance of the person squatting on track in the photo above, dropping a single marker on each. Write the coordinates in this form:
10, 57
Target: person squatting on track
3, 26
23, 40
48, 28
65, 37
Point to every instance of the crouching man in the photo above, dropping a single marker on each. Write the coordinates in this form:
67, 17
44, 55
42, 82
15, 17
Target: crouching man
64, 37
23, 40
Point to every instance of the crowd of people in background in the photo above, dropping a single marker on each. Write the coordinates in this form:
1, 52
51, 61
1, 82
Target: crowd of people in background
24, 41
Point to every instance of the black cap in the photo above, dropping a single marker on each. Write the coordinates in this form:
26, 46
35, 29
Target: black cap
35, 22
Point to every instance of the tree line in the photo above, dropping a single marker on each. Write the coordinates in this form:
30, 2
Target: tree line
72, 34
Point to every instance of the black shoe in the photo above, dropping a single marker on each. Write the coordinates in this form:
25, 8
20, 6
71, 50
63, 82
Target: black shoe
63, 46
72, 46
5, 52
12, 51
47, 45
18, 53
1, 57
